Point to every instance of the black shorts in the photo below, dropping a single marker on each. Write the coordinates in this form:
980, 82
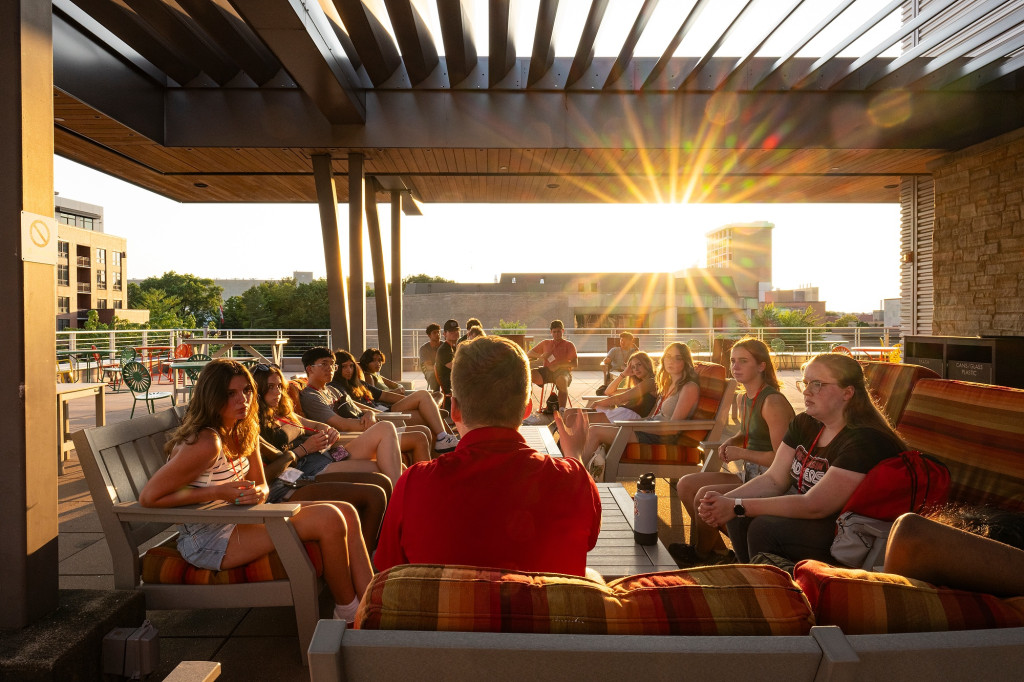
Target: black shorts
548, 375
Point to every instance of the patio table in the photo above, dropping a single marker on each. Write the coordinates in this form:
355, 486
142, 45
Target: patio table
247, 344
150, 355
177, 369
616, 554
65, 394
873, 352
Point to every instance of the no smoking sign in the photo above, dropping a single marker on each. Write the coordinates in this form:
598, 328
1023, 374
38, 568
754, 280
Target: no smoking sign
38, 238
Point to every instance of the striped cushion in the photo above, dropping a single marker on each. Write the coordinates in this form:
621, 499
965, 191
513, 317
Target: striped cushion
163, 564
714, 600
890, 384
712, 381
977, 431
862, 603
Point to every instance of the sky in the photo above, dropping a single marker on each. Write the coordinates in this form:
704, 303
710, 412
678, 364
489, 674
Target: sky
849, 251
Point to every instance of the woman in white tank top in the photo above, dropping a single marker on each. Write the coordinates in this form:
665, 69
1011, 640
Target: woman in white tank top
214, 455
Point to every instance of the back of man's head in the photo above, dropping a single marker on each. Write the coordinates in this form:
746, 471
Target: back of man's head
316, 353
490, 382
626, 336
556, 324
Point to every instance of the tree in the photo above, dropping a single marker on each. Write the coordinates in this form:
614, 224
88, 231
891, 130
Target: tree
163, 308
425, 278
279, 305
770, 316
196, 296
845, 320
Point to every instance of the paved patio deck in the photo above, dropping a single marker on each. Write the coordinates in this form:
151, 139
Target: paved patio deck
255, 643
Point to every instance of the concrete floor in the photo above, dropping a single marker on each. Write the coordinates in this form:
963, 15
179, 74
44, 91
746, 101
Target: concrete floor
256, 643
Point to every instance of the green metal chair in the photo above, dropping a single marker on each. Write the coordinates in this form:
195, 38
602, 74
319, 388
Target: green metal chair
136, 377
695, 346
127, 355
781, 351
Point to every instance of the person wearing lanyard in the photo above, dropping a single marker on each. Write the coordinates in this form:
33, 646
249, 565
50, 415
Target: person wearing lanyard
791, 509
766, 415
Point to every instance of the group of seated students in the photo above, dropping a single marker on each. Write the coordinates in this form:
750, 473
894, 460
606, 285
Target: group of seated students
493, 501
438, 372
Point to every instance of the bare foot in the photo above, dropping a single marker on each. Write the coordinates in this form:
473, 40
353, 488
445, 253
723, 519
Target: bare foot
572, 432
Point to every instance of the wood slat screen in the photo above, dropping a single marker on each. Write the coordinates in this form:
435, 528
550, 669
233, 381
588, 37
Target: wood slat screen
917, 222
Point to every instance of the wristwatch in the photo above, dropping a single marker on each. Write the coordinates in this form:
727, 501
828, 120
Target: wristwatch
738, 509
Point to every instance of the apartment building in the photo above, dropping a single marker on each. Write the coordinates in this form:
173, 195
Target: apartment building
91, 266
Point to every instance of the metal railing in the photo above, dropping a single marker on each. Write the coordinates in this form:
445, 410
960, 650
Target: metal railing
806, 340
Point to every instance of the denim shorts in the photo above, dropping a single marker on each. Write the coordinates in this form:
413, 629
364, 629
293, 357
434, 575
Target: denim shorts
310, 465
204, 544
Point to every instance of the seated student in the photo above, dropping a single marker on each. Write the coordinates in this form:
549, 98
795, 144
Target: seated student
423, 412
443, 362
371, 362
475, 332
376, 449
559, 356
494, 501
616, 359
470, 323
632, 395
428, 353
980, 549
765, 416
791, 509
678, 395
214, 455
327, 404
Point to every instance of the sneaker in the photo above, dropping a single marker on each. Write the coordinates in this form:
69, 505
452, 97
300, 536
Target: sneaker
686, 556
535, 419
445, 442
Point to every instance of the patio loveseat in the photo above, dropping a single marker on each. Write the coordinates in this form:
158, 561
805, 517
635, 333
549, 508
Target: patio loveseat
732, 621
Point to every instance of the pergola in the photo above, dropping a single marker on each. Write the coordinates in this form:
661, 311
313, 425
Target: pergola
271, 100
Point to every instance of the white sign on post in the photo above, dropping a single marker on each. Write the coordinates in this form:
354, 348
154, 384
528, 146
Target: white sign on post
38, 238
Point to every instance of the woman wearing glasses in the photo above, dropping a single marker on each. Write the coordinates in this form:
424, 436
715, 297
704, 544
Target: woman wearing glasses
791, 509
678, 393
214, 455
765, 414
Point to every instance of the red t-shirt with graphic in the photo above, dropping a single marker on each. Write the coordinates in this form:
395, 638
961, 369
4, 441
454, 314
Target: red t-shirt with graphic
854, 449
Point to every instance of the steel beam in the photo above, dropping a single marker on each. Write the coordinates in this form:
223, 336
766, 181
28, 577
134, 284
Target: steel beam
397, 352
669, 54
376, 50
357, 283
236, 39
301, 38
28, 401
380, 283
501, 40
419, 52
543, 55
457, 36
585, 49
695, 72
327, 199
629, 44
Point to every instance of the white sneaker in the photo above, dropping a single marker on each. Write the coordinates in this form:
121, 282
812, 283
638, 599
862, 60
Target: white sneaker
445, 442
536, 419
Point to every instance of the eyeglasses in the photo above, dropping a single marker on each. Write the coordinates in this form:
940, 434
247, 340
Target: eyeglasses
813, 386
326, 365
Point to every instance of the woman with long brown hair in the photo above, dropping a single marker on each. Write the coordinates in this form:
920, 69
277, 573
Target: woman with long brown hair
791, 509
765, 416
214, 455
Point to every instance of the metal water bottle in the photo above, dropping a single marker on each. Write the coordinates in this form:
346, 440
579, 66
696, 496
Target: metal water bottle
645, 511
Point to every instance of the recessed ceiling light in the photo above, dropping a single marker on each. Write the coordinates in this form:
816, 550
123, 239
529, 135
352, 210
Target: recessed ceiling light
891, 186
200, 185
58, 119
553, 185
503, 168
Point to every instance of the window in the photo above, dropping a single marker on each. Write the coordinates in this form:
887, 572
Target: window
101, 279
101, 304
117, 280
63, 324
118, 303
115, 258
581, 287
87, 223
63, 250
63, 304
101, 256
63, 276
593, 286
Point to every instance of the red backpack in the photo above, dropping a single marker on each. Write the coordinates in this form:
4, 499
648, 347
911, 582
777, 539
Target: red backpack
908, 482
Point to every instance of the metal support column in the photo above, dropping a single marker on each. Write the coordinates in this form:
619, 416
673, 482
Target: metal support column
28, 256
327, 198
380, 284
356, 284
397, 352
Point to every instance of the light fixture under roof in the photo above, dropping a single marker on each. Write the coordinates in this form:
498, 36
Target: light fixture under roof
553, 185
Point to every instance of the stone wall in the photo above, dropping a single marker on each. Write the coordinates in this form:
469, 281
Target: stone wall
979, 239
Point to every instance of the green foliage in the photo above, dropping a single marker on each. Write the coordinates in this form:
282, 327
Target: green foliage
847, 320
279, 305
510, 326
770, 316
425, 278
163, 308
195, 297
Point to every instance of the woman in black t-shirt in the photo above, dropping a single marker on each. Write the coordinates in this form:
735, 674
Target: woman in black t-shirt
791, 509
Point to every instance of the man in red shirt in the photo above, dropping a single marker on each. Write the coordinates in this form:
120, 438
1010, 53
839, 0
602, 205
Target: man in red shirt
493, 501
559, 361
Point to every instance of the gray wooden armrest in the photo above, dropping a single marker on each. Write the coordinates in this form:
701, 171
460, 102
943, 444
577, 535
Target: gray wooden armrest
667, 427
711, 459
394, 416
211, 512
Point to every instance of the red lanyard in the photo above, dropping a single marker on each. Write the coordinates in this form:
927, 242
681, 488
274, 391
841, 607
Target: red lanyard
803, 467
746, 423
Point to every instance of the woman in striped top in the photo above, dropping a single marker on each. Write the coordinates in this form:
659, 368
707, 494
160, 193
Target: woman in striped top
214, 455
